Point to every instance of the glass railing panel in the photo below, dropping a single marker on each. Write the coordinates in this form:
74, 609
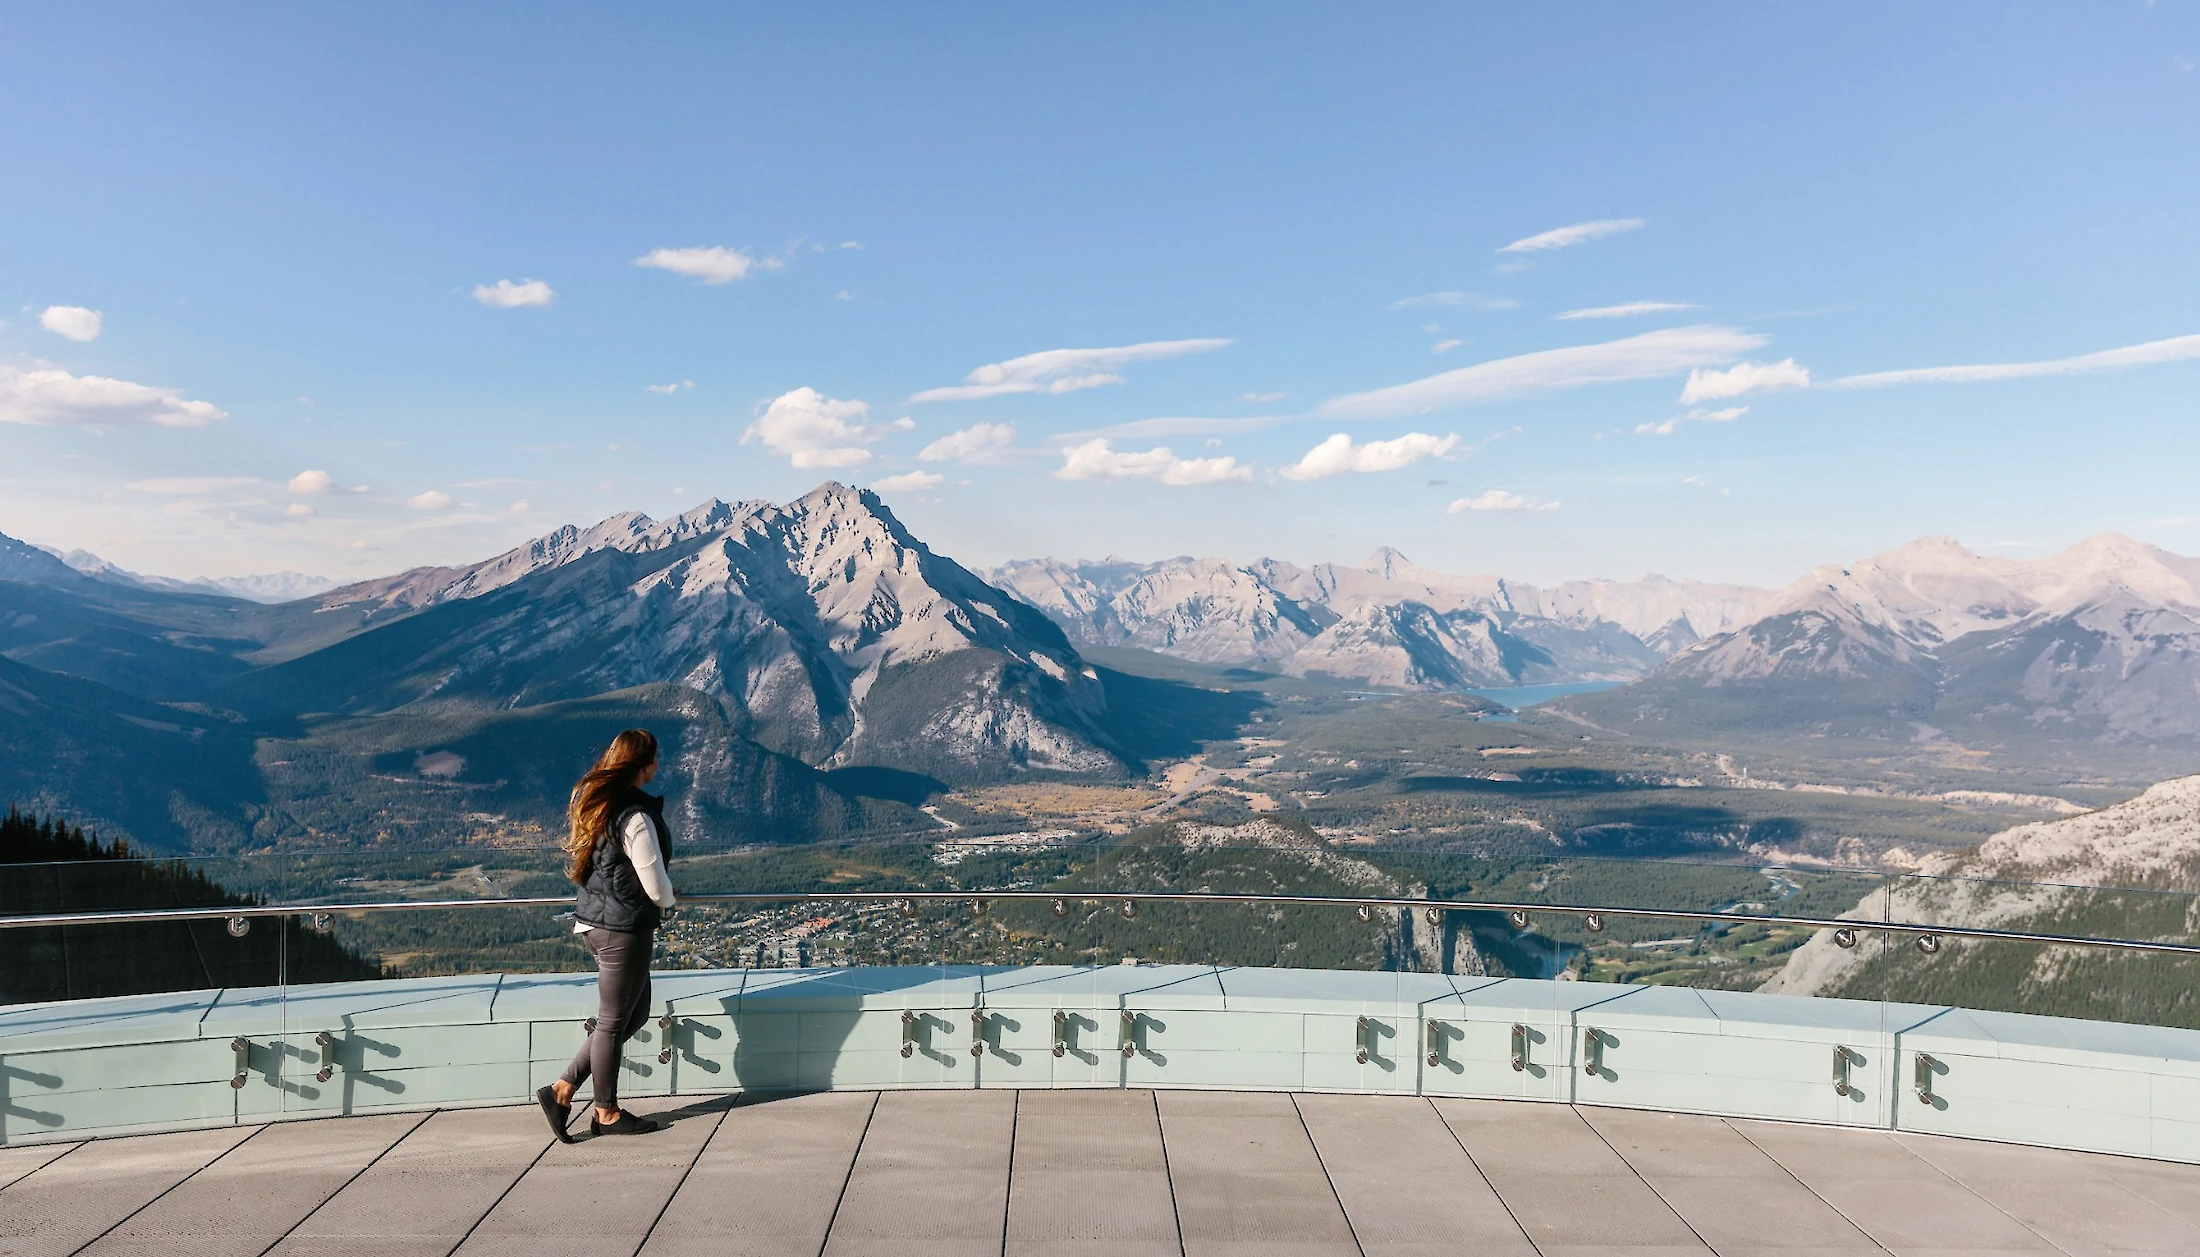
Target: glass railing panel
2080, 979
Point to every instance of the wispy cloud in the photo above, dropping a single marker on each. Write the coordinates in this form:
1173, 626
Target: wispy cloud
816, 432
713, 264
1338, 455
1445, 346
909, 482
1260, 399
191, 486
73, 322
1578, 233
1743, 378
51, 397
1096, 460
978, 443
1628, 310
669, 389
2152, 353
1184, 425
432, 500
1666, 427
1498, 500
1061, 370
1648, 356
1471, 300
506, 295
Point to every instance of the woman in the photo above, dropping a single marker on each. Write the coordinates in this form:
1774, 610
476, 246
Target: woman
619, 851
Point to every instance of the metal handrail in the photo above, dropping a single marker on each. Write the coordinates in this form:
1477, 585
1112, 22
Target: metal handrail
51, 919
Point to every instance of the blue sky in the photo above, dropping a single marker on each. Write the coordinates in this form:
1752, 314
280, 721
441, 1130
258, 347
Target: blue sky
1261, 226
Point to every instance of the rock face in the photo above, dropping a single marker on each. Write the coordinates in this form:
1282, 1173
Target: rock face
2042, 877
2099, 643
824, 627
1387, 621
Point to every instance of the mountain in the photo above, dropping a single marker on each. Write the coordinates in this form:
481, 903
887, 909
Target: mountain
2128, 871
825, 630
272, 587
2099, 643
1387, 621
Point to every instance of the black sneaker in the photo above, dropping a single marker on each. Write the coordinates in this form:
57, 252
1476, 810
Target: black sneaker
559, 1114
628, 1124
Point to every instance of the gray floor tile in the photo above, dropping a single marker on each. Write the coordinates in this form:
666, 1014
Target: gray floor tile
1730, 1191
71, 1202
1245, 1173
2068, 1201
769, 1180
1903, 1203
1090, 1175
599, 1195
933, 1171
247, 1200
425, 1194
2173, 1187
1564, 1185
17, 1162
1403, 1178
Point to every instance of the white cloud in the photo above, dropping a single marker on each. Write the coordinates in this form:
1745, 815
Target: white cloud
432, 500
192, 486
668, 389
851, 244
815, 431
1666, 427
1185, 425
299, 510
908, 481
1260, 398
1472, 300
311, 482
521, 507
52, 397
1628, 310
1445, 346
1647, 356
978, 443
1578, 233
714, 264
74, 322
506, 295
2152, 353
1094, 460
1338, 455
1061, 370
1498, 500
1741, 378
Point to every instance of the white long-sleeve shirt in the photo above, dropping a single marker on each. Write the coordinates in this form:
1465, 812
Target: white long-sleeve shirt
640, 840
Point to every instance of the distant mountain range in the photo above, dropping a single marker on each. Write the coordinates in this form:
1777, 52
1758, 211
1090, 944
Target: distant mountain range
2097, 644
821, 670
818, 663
1385, 622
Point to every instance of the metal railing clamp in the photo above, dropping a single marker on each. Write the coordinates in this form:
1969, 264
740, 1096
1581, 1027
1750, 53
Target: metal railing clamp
1922, 1076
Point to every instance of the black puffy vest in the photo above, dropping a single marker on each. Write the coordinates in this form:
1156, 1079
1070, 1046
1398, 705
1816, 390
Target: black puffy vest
612, 897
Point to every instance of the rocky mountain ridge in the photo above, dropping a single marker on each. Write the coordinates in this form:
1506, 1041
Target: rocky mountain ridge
1386, 621
2099, 642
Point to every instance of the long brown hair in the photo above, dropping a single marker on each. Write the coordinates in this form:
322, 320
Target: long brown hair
617, 770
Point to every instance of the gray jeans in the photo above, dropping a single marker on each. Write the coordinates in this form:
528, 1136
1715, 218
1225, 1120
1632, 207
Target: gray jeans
622, 1005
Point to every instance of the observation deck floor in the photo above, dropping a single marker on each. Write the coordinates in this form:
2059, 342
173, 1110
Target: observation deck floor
1050, 1173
